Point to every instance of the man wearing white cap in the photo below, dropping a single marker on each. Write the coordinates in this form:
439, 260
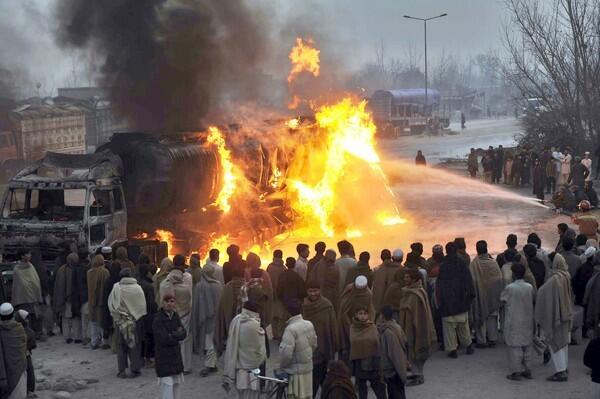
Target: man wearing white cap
587, 162
354, 295
13, 356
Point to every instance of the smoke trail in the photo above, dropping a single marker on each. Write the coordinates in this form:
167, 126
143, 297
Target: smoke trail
167, 62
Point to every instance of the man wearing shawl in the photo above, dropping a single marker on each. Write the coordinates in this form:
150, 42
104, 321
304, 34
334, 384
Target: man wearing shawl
122, 261
394, 362
488, 283
417, 323
127, 305
26, 288
279, 314
553, 313
357, 294
328, 276
145, 281
179, 284
383, 276
97, 278
344, 263
591, 299
246, 351
195, 269
166, 265
229, 306
66, 299
337, 384
13, 356
212, 263
235, 262
320, 312
206, 295
259, 288
455, 293
296, 349
518, 298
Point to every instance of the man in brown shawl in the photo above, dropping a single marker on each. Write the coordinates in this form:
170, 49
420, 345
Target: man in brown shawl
122, 261
13, 356
384, 275
488, 282
320, 312
327, 275
417, 323
97, 277
337, 384
394, 362
554, 315
314, 261
230, 306
260, 279
279, 313
357, 294
206, 295
66, 300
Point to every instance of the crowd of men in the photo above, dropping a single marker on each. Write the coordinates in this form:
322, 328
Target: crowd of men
566, 178
333, 316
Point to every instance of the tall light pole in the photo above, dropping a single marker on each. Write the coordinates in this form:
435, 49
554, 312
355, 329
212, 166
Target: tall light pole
425, 26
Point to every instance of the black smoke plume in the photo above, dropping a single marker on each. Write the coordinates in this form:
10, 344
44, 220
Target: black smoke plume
167, 62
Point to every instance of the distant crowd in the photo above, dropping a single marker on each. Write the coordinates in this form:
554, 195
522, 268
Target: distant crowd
342, 327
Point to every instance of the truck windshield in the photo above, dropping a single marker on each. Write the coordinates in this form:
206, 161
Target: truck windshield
35, 204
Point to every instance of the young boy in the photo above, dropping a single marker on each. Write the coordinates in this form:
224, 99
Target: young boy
365, 355
22, 316
394, 363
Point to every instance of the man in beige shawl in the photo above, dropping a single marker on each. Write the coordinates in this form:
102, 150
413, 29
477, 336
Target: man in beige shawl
127, 305
554, 315
97, 277
488, 282
246, 351
166, 265
417, 323
179, 284
27, 289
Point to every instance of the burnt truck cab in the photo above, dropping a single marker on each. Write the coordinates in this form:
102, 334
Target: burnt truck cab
64, 199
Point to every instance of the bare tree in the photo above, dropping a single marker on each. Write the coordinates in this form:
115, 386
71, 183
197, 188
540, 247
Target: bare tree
554, 55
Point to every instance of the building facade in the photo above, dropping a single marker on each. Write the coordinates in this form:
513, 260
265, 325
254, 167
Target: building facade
40, 127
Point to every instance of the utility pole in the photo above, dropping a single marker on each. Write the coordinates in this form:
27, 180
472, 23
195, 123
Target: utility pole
425, 29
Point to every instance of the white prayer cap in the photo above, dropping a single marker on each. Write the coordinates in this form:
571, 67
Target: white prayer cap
106, 250
23, 314
6, 309
360, 282
591, 251
398, 254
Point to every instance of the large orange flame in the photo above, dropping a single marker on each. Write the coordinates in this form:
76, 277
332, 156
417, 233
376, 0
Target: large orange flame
169, 238
304, 57
229, 175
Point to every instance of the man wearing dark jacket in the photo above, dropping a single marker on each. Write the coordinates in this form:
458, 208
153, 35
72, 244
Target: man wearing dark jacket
455, 293
145, 281
168, 333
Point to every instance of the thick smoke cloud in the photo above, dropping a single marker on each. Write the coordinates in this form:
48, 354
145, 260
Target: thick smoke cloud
167, 62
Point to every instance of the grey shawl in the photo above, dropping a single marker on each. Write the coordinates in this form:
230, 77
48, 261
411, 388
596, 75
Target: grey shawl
205, 300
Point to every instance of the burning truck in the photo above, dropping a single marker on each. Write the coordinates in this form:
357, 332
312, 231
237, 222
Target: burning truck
138, 190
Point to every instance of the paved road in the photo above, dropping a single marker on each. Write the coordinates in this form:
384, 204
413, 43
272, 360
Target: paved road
478, 134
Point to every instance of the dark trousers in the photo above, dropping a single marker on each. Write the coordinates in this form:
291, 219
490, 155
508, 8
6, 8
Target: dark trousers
124, 351
30, 375
319, 373
148, 345
395, 387
376, 385
550, 184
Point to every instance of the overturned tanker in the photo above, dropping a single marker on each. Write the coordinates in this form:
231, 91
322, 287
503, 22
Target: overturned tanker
132, 186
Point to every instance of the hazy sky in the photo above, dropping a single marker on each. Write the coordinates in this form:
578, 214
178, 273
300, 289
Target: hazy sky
351, 28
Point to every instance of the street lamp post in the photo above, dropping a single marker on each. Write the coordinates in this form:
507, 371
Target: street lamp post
425, 29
